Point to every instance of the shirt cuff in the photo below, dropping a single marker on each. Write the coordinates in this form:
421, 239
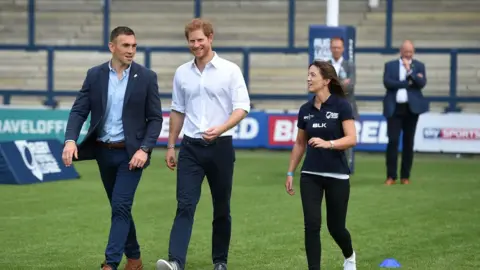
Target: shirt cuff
177, 108
243, 106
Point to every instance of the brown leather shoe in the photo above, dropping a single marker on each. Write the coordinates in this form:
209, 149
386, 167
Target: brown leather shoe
405, 181
134, 264
389, 182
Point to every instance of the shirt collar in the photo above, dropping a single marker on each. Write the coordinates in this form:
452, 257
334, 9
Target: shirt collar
125, 72
214, 62
329, 100
340, 60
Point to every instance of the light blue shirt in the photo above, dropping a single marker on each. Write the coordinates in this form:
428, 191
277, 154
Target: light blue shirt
112, 130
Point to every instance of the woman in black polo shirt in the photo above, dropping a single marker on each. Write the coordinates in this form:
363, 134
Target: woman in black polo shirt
325, 130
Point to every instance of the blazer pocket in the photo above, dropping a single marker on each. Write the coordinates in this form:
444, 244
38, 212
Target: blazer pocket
140, 134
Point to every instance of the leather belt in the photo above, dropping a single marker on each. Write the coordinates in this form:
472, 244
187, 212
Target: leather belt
200, 141
111, 145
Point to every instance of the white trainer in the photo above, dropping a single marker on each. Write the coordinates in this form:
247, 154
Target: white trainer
165, 265
350, 263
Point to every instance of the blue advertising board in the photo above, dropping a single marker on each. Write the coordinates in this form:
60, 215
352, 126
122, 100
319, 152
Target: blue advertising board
33, 161
319, 41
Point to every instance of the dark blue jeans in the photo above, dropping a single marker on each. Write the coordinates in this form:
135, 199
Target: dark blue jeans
196, 160
120, 185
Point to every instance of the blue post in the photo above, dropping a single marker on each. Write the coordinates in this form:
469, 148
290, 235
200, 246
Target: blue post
31, 23
389, 24
50, 78
7, 99
106, 22
291, 23
246, 67
148, 57
197, 13
452, 102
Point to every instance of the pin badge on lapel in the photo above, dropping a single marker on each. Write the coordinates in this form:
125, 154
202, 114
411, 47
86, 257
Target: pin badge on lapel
134, 76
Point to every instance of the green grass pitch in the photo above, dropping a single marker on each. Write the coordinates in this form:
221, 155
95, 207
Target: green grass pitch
434, 223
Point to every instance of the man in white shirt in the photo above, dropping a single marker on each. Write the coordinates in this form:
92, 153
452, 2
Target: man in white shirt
209, 98
404, 80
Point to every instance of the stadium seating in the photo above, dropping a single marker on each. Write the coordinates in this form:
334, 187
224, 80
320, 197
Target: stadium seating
429, 23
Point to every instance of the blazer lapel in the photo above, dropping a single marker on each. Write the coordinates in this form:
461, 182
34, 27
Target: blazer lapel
396, 69
104, 77
132, 78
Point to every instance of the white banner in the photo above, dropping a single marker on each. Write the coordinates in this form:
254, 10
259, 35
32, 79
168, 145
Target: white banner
449, 133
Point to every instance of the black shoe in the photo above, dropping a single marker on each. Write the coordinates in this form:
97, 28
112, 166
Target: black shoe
220, 266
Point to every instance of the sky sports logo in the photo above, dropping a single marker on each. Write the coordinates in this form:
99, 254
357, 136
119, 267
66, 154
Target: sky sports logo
452, 133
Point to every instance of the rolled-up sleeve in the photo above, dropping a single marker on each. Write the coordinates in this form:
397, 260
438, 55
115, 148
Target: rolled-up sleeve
240, 97
178, 97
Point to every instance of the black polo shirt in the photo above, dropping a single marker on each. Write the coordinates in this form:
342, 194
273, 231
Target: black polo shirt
326, 124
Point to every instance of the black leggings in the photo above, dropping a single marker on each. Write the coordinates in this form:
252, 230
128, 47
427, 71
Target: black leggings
337, 193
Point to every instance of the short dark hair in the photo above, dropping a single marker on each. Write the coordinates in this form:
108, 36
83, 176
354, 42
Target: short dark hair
337, 38
328, 73
121, 30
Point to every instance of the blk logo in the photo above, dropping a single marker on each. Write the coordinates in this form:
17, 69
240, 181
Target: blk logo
319, 125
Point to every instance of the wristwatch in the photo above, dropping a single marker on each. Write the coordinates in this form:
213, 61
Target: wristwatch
170, 146
332, 145
146, 149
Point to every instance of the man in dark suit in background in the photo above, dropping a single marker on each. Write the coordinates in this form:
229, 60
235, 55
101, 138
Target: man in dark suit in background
346, 71
404, 80
126, 119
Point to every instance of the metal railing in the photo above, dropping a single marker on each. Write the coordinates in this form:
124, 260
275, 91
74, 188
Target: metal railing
50, 93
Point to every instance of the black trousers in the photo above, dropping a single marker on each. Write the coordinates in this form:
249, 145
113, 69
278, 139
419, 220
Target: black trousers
337, 193
406, 121
196, 160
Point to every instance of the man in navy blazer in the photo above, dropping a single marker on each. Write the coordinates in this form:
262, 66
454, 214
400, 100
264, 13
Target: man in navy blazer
126, 119
404, 80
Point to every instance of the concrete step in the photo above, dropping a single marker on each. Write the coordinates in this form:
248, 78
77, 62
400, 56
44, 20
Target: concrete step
424, 29
251, 6
41, 17
426, 16
85, 39
363, 61
433, 5
262, 32
74, 80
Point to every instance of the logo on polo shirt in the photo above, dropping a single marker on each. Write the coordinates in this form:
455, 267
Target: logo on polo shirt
331, 115
308, 117
319, 125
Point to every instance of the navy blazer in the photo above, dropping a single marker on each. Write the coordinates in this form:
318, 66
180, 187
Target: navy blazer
416, 100
142, 111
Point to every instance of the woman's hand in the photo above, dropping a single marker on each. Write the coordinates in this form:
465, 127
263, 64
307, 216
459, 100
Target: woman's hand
289, 185
319, 143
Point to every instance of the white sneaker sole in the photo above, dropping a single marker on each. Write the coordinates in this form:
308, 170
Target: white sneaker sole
163, 265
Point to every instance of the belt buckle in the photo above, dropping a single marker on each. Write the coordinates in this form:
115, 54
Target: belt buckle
209, 143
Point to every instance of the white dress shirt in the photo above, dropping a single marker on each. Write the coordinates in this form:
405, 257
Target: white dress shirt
337, 64
402, 96
208, 98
